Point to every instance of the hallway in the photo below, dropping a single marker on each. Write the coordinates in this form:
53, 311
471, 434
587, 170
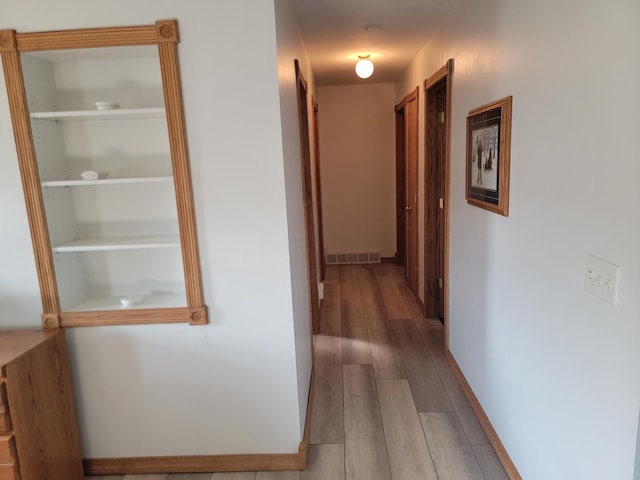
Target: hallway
387, 405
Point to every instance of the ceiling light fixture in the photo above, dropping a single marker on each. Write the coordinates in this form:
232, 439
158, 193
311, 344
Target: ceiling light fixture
364, 67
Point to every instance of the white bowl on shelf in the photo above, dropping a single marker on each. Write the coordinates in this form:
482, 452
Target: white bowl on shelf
131, 301
94, 175
107, 105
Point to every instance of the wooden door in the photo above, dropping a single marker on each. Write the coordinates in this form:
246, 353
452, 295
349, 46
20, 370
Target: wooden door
411, 190
307, 198
440, 152
437, 139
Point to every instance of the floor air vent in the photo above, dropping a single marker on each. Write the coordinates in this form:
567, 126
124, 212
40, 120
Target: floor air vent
358, 257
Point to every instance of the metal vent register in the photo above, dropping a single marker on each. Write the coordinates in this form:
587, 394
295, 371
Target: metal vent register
353, 257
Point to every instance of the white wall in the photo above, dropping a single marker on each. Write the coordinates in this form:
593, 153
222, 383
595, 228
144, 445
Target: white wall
556, 369
357, 161
290, 48
232, 386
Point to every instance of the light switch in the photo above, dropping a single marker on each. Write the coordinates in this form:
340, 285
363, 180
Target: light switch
602, 279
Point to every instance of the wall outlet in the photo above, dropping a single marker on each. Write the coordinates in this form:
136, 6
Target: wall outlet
602, 279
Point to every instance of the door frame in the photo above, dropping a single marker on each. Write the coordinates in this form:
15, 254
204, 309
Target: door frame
318, 185
444, 74
400, 216
402, 178
307, 199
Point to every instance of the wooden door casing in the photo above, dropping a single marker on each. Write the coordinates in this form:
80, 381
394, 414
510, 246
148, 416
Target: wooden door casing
316, 155
307, 198
400, 202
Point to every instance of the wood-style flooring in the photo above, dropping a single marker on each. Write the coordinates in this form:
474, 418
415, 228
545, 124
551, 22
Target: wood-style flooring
387, 405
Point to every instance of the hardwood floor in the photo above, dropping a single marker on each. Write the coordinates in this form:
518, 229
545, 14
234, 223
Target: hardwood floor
387, 405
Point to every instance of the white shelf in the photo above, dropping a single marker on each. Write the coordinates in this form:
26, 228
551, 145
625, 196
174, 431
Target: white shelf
100, 114
106, 181
118, 243
113, 303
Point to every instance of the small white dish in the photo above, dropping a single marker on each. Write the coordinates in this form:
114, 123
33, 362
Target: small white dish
107, 105
94, 175
131, 301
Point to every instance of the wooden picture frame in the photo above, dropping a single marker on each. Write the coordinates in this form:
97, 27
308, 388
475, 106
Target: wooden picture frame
488, 156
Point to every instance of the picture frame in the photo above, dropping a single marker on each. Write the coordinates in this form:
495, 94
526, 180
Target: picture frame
488, 156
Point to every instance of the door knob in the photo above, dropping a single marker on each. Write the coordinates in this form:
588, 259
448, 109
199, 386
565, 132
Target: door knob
408, 208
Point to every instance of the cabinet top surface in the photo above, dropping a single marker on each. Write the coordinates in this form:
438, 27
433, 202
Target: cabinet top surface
15, 343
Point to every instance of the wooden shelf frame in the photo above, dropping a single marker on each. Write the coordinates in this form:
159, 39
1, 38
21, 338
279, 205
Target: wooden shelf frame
163, 34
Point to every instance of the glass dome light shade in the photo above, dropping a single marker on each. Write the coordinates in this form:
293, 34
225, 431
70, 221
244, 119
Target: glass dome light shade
364, 68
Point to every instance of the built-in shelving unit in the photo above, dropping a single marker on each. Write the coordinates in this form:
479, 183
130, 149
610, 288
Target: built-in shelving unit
129, 233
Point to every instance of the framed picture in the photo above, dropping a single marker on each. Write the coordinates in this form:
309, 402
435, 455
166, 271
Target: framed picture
488, 152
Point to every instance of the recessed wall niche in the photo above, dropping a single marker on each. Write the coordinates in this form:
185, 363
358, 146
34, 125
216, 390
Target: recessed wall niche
99, 129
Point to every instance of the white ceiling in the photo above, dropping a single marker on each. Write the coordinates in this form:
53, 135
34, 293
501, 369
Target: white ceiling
334, 34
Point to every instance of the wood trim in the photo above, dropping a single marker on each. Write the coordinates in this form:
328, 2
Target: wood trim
408, 98
198, 315
133, 317
50, 320
400, 216
30, 176
447, 201
8, 41
167, 31
181, 170
446, 69
87, 38
191, 464
393, 259
208, 463
495, 441
318, 185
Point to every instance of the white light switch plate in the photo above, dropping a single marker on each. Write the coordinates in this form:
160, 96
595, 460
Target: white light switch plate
602, 278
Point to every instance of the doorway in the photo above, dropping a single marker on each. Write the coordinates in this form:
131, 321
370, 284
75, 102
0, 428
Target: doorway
316, 156
407, 187
307, 199
437, 139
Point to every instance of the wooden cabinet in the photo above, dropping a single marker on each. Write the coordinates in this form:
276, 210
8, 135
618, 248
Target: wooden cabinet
108, 187
38, 428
